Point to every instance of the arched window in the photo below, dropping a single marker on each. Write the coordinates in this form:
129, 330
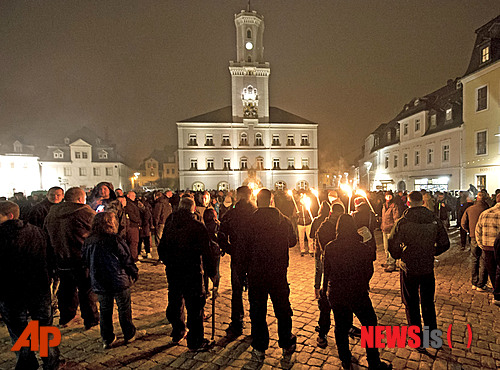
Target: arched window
244, 139
249, 34
198, 186
249, 60
302, 185
223, 185
280, 185
258, 139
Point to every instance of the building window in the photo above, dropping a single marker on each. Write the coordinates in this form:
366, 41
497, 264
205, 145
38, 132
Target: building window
481, 181
395, 161
97, 171
260, 163
481, 142
82, 171
417, 124
249, 34
227, 164
449, 114
85, 155
18, 147
168, 171
153, 165
194, 164
291, 163
210, 164
430, 155
192, 140
280, 185
485, 54
389, 135
304, 141
376, 141
103, 154
433, 121
305, 163
173, 171
276, 163
198, 186
67, 171
12, 164
58, 154
258, 139
386, 162
244, 139
290, 140
243, 164
446, 152
405, 160
302, 185
109, 171
209, 140
276, 140
405, 128
482, 98
78, 155
225, 140
417, 157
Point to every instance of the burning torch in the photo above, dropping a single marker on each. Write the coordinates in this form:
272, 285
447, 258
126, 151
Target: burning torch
363, 194
347, 189
290, 193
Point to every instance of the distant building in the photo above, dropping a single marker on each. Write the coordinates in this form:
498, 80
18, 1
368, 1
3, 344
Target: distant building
249, 141
421, 148
481, 110
82, 159
160, 169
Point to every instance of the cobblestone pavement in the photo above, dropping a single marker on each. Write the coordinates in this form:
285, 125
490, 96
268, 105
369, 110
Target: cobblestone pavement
456, 304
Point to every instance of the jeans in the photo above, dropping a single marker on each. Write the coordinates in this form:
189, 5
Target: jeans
391, 262
301, 229
16, 316
258, 293
124, 304
416, 291
493, 271
479, 273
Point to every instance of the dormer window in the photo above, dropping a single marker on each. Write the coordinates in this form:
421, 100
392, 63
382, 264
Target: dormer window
433, 121
103, 154
389, 135
449, 114
66, 140
58, 154
485, 54
98, 141
85, 155
376, 140
18, 147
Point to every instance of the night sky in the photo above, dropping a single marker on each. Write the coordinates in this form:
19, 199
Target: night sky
131, 69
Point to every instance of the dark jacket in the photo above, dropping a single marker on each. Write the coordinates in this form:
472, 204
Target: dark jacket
269, 236
328, 229
183, 247
416, 238
461, 211
324, 211
133, 214
146, 219
25, 262
111, 204
442, 209
161, 210
39, 212
471, 216
110, 264
348, 265
231, 235
363, 216
68, 225
303, 215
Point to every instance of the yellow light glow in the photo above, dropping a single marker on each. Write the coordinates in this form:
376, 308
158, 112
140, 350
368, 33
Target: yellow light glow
361, 192
347, 189
289, 192
315, 192
255, 192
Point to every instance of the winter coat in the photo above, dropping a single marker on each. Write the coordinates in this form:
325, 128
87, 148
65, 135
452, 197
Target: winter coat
110, 264
303, 215
146, 219
183, 247
324, 211
327, 231
348, 265
417, 237
25, 262
161, 210
68, 225
390, 214
133, 214
471, 216
111, 204
363, 216
461, 211
269, 236
39, 212
442, 210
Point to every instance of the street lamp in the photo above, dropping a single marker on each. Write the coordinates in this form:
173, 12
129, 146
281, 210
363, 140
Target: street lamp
368, 166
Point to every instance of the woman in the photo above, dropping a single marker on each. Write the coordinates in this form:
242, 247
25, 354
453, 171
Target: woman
390, 214
112, 273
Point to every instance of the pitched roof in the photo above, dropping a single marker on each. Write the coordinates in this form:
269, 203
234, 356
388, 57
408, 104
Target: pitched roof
276, 115
487, 35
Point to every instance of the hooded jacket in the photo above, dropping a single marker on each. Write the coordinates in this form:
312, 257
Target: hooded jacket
363, 216
324, 211
111, 204
110, 264
68, 225
161, 210
417, 237
25, 262
348, 265
328, 229
270, 235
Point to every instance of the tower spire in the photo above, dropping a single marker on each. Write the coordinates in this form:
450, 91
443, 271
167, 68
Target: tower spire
248, 6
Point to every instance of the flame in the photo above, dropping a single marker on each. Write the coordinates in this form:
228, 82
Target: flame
347, 189
255, 192
315, 192
306, 201
289, 192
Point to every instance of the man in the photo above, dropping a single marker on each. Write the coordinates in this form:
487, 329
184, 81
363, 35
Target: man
38, 213
68, 225
161, 210
465, 201
134, 224
468, 223
487, 229
270, 235
231, 241
442, 210
182, 249
24, 282
416, 238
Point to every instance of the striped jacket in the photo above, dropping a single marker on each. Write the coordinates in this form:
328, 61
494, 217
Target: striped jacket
488, 227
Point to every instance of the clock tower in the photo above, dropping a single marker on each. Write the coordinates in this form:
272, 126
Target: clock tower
249, 73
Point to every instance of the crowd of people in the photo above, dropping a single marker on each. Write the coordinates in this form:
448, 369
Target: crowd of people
74, 249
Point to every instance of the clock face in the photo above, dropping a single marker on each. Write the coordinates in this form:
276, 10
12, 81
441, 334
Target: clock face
249, 45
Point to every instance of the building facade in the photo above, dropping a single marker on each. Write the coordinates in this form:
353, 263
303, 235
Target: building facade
421, 148
160, 169
481, 89
249, 141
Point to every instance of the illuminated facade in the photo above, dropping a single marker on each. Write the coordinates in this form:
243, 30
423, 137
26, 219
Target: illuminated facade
160, 169
249, 141
421, 148
482, 110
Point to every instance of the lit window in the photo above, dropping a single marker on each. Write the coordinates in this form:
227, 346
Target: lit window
244, 164
485, 54
97, 171
377, 140
225, 140
210, 164
276, 140
389, 135
209, 140
305, 163
291, 163
258, 139
243, 139
280, 185
227, 164
109, 171
449, 114
482, 98
290, 141
304, 141
302, 185
446, 152
194, 164
417, 124
192, 140
83, 171
481, 142
430, 155
276, 163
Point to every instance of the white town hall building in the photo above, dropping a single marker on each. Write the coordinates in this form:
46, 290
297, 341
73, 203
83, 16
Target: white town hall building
249, 141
